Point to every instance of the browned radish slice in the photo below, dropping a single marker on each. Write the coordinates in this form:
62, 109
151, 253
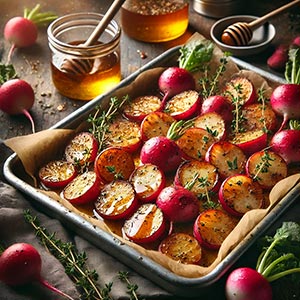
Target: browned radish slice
82, 149
251, 141
146, 225
57, 174
195, 142
213, 123
228, 158
138, 108
212, 227
239, 194
155, 124
116, 201
184, 105
125, 134
83, 189
200, 177
267, 168
148, 180
258, 116
240, 90
181, 247
114, 163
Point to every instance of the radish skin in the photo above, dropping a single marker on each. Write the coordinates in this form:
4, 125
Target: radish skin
17, 97
21, 264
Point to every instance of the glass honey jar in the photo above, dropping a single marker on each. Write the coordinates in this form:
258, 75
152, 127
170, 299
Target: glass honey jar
66, 36
155, 20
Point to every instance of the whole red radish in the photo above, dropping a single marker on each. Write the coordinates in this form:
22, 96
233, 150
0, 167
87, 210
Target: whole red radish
17, 97
279, 58
175, 80
285, 98
22, 31
296, 41
247, 284
21, 264
178, 204
163, 151
286, 143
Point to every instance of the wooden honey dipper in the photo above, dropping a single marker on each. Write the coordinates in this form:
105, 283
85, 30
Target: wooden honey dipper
240, 33
83, 66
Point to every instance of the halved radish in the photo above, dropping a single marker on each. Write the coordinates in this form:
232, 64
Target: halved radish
228, 158
181, 247
82, 149
116, 201
146, 225
114, 163
239, 194
251, 141
220, 105
138, 108
258, 116
195, 142
148, 180
178, 204
83, 189
240, 90
213, 123
57, 174
267, 168
212, 227
124, 134
184, 105
200, 177
155, 124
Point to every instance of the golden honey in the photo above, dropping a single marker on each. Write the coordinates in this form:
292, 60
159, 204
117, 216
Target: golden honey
154, 20
66, 37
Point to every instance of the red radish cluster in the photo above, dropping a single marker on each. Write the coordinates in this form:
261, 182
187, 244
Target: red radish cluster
22, 31
21, 264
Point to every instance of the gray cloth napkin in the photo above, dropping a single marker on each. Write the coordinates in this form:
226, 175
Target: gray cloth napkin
13, 229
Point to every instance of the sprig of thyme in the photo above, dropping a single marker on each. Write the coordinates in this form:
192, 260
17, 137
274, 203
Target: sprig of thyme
131, 288
208, 83
102, 119
73, 262
264, 165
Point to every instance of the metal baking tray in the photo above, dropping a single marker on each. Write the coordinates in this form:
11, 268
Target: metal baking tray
176, 285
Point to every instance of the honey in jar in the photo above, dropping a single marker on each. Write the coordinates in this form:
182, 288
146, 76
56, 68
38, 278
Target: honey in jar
154, 20
66, 36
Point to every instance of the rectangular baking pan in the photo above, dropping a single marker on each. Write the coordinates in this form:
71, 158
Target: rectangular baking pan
177, 285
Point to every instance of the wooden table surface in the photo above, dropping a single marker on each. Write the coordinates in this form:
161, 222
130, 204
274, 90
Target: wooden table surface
32, 64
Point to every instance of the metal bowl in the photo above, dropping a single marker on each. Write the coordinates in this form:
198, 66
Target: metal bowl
261, 39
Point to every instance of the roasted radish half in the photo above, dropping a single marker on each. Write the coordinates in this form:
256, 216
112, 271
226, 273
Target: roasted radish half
117, 200
138, 108
57, 174
212, 227
228, 158
195, 142
251, 141
200, 177
114, 163
240, 91
146, 225
220, 105
239, 194
124, 134
184, 105
213, 123
83, 189
266, 168
155, 124
181, 247
178, 204
82, 149
148, 181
